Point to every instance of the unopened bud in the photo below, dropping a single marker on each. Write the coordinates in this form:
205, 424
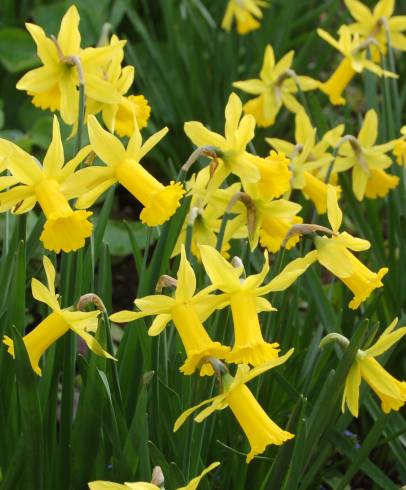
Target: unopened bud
157, 476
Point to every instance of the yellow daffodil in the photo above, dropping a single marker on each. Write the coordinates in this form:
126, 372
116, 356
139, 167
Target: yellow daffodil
355, 61
231, 148
119, 116
399, 149
378, 23
367, 161
187, 310
309, 160
122, 165
51, 184
55, 84
334, 254
246, 301
391, 392
106, 485
57, 323
276, 87
245, 12
258, 427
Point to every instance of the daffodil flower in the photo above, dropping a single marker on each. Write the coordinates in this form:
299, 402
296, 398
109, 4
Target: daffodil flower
378, 23
256, 424
57, 323
107, 485
355, 61
233, 157
367, 161
246, 301
119, 116
334, 254
276, 87
309, 159
51, 184
122, 165
187, 310
391, 392
55, 84
246, 13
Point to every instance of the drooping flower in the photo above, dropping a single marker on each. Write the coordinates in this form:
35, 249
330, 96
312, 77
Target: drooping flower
123, 165
390, 391
256, 424
57, 323
355, 61
309, 159
378, 23
187, 310
55, 84
333, 253
246, 301
49, 184
276, 87
246, 13
367, 161
106, 485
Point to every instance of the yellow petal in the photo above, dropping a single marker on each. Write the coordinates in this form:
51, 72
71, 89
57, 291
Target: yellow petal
334, 213
69, 35
221, 273
378, 378
107, 146
369, 130
39, 80
359, 11
126, 316
351, 389
186, 284
283, 64
43, 294
232, 114
334, 257
192, 485
348, 241
201, 136
154, 304
69, 96
50, 273
253, 86
359, 182
159, 324
106, 485
385, 342
184, 416
151, 142
268, 64
54, 157
46, 49
89, 198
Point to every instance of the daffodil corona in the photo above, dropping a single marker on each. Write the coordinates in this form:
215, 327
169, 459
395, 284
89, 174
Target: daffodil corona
51, 185
57, 323
246, 13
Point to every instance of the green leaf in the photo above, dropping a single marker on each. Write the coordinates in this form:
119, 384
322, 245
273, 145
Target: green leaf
17, 50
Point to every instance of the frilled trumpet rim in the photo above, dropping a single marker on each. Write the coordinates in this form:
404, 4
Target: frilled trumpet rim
162, 204
195, 358
256, 353
66, 231
362, 282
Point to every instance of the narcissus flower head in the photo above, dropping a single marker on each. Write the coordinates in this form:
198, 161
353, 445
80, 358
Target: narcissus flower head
276, 87
57, 323
123, 165
55, 84
246, 14
246, 301
367, 160
51, 185
391, 392
256, 424
355, 61
187, 310
399, 149
378, 23
334, 253
231, 148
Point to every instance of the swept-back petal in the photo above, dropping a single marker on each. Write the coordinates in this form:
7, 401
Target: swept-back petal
69, 35
107, 146
54, 157
221, 273
186, 284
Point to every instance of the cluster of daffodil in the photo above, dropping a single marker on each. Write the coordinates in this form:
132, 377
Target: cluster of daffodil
255, 204
67, 67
